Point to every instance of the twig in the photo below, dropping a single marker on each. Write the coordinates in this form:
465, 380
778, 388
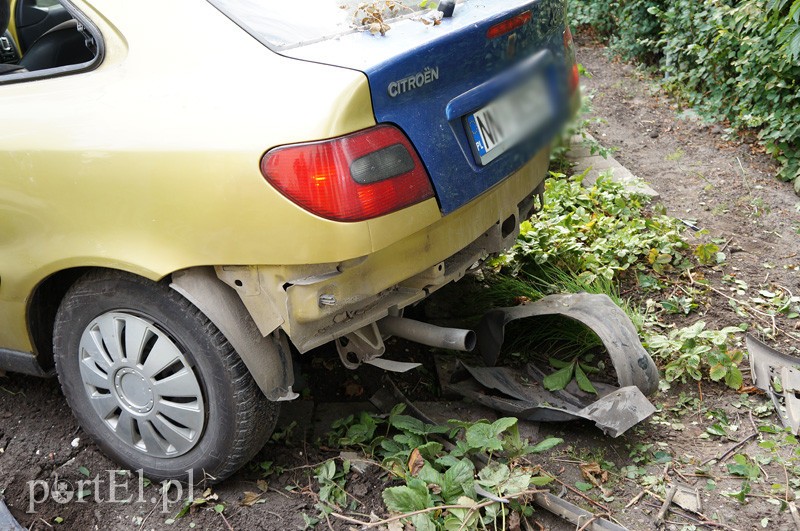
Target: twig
730, 450
705, 519
273, 489
591, 520
328, 521
227, 523
665, 506
635, 499
579, 493
151, 511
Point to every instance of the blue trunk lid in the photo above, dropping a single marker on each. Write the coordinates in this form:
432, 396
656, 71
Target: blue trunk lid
431, 79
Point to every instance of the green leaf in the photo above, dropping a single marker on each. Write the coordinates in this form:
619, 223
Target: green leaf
558, 380
493, 474
482, 437
717, 372
219, 508
408, 498
583, 486
456, 477
743, 467
83, 470
58, 520
583, 381
423, 522
430, 450
541, 481
545, 445
707, 253
415, 426
430, 475
733, 378
557, 363
502, 424
517, 482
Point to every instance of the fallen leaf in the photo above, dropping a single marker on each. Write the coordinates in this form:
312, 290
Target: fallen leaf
751, 390
593, 473
262, 485
353, 389
415, 462
251, 498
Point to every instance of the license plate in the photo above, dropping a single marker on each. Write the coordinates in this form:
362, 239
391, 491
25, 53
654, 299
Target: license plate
498, 126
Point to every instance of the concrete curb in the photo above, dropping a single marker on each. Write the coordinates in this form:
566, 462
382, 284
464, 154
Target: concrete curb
580, 155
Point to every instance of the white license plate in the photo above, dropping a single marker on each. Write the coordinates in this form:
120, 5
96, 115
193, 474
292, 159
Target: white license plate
501, 124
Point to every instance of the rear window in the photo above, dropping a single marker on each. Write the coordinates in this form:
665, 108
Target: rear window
282, 25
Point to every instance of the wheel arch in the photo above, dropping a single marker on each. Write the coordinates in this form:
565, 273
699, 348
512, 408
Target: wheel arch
267, 358
41, 312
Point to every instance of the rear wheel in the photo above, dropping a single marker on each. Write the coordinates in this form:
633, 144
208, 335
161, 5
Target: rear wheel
154, 382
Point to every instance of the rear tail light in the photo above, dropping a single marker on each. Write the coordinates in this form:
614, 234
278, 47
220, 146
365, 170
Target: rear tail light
351, 178
508, 25
569, 48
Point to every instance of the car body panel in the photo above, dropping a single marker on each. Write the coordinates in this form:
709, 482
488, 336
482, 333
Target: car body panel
452, 60
150, 164
144, 171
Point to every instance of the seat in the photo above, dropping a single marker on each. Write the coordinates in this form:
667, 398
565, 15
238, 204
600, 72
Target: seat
5, 17
61, 45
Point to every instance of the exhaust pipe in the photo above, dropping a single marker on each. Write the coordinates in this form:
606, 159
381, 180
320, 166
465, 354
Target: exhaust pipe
428, 334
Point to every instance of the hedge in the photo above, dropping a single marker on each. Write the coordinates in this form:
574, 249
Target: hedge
731, 59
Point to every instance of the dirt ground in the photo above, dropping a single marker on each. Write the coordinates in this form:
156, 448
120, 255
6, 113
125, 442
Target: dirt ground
719, 184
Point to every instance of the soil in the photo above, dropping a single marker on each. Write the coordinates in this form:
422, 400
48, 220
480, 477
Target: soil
724, 185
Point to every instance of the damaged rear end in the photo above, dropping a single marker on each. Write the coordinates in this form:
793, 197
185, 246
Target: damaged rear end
465, 108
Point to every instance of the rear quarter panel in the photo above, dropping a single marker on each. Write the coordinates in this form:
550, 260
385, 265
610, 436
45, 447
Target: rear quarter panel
150, 162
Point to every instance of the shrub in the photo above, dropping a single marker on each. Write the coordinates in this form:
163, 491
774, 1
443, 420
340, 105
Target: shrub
732, 60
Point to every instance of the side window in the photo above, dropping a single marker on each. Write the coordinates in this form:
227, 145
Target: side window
44, 37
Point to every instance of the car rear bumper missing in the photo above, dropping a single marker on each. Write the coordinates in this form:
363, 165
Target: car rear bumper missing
317, 303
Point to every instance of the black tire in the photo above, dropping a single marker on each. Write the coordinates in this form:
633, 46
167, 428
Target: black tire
237, 419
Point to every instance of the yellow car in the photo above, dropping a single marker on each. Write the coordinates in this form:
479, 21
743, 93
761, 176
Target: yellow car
190, 189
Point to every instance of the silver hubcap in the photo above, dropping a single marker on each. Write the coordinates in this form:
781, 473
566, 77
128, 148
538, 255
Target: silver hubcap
141, 385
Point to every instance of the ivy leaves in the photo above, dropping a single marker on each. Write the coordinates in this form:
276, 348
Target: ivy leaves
735, 61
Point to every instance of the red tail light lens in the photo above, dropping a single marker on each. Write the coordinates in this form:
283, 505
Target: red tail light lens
569, 47
351, 178
508, 25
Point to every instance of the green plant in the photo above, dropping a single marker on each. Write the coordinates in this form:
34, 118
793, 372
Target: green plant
788, 15
699, 351
432, 476
566, 372
598, 231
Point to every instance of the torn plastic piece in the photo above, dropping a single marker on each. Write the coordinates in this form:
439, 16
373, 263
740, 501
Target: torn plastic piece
633, 364
688, 498
614, 411
581, 518
769, 367
391, 365
8, 522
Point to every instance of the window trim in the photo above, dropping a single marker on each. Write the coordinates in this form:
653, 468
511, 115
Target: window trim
87, 66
